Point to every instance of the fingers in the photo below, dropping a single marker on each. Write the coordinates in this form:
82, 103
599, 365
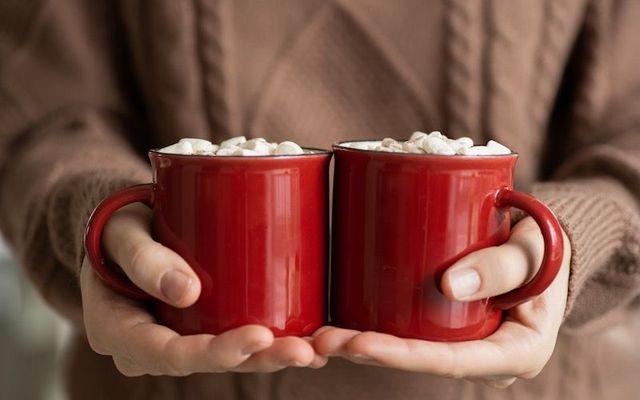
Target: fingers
284, 352
496, 270
118, 327
520, 347
319, 360
161, 351
330, 341
153, 267
479, 358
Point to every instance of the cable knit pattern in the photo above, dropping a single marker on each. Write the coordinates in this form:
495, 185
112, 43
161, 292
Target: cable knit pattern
551, 54
166, 29
589, 103
214, 63
464, 58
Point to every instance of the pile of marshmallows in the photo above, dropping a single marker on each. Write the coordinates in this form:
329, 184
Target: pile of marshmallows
419, 143
236, 146
432, 143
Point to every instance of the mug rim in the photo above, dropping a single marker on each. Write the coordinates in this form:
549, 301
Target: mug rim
339, 145
316, 152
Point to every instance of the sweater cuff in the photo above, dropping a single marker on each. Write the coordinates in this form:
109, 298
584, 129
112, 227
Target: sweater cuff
601, 220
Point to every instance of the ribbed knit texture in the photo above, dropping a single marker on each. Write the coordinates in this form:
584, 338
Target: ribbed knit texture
603, 231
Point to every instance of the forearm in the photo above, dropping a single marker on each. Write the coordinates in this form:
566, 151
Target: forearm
52, 177
600, 218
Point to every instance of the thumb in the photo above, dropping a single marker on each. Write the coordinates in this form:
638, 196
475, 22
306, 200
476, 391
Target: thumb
154, 268
496, 270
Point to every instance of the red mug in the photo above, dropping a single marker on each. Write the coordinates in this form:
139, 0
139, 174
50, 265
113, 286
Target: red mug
400, 220
254, 230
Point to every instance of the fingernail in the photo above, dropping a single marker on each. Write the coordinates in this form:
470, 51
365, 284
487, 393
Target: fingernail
464, 282
291, 363
174, 285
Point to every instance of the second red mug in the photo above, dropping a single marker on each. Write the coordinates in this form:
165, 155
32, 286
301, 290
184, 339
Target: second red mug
254, 230
400, 220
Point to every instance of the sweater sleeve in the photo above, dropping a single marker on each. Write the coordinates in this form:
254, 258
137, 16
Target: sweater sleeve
65, 134
595, 191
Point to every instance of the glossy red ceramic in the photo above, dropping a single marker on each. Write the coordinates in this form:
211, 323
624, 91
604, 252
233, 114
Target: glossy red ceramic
399, 220
254, 229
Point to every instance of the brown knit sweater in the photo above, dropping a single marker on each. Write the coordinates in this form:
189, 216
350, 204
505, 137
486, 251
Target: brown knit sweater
87, 86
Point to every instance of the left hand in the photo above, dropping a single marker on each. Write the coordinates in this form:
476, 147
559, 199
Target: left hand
520, 347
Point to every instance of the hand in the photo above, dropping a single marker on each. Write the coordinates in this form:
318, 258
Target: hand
520, 347
123, 329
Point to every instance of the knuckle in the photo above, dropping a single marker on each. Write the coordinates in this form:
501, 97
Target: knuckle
97, 345
503, 275
530, 373
125, 368
139, 257
501, 383
173, 363
451, 366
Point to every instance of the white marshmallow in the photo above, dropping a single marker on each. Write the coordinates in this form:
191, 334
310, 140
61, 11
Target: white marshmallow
360, 145
184, 148
497, 148
476, 151
416, 136
288, 148
412, 147
437, 134
237, 146
384, 149
391, 144
226, 151
458, 144
259, 145
245, 152
388, 142
199, 146
433, 144
233, 142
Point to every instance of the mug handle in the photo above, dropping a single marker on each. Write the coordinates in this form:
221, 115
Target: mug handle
553, 247
93, 238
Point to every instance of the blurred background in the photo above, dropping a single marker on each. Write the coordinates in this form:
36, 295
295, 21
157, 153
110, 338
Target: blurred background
31, 335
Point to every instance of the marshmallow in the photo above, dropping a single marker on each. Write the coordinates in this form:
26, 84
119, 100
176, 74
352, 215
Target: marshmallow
434, 144
476, 151
391, 144
412, 147
497, 148
417, 136
288, 148
235, 146
200, 146
361, 145
437, 134
233, 142
260, 146
226, 151
181, 147
385, 149
459, 144
245, 152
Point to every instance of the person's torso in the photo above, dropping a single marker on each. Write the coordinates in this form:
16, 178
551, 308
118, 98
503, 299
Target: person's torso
318, 71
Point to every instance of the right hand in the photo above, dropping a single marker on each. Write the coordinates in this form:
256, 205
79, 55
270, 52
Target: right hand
123, 329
